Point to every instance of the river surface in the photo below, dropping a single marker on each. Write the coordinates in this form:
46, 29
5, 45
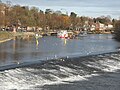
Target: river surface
51, 63
30, 50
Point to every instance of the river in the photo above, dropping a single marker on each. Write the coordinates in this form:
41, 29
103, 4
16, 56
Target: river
51, 63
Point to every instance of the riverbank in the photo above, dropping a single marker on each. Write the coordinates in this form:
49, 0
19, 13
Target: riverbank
2, 41
6, 36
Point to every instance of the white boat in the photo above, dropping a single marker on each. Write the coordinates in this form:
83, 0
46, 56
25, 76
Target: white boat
83, 33
62, 34
38, 35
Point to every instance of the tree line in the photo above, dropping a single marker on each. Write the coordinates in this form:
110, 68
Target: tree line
34, 17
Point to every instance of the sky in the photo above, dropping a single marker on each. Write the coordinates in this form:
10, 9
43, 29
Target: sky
91, 8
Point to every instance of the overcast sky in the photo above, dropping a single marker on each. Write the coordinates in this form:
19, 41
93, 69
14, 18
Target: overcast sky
92, 8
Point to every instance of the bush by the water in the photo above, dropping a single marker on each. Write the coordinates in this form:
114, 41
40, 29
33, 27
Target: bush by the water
117, 30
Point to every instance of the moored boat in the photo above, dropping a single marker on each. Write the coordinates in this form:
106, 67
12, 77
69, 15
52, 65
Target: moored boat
62, 34
38, 35
82, 34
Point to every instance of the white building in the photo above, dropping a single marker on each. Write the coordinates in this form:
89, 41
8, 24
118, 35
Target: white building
109, 26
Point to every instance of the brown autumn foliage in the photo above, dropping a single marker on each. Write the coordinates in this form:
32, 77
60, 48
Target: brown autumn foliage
24, 16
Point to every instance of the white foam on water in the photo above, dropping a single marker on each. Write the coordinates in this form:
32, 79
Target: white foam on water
27, 81
108, 64
116, 57
27, 78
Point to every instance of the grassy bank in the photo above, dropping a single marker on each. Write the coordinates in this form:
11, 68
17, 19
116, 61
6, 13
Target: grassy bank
6, 36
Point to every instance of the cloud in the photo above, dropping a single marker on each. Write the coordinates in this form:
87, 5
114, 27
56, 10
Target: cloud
82, 7
68, 3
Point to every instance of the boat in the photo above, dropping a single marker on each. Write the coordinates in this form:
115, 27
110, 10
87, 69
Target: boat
82, 34
38, 36
62, 34
66, 35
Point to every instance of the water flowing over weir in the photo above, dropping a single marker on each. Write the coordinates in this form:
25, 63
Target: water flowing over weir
95, 72
89, 63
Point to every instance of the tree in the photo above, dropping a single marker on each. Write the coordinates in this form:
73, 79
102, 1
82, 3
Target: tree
2, 13
117, 30
73, 15
49, 11
104, 20
73, 19
113, 22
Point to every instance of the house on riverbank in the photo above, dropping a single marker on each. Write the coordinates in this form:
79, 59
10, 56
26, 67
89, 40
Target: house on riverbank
101, 28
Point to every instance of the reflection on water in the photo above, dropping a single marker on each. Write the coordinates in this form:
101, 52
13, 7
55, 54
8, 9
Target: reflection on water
37, 43
24, 49
65, 41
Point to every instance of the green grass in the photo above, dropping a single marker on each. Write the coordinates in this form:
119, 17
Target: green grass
5, 35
